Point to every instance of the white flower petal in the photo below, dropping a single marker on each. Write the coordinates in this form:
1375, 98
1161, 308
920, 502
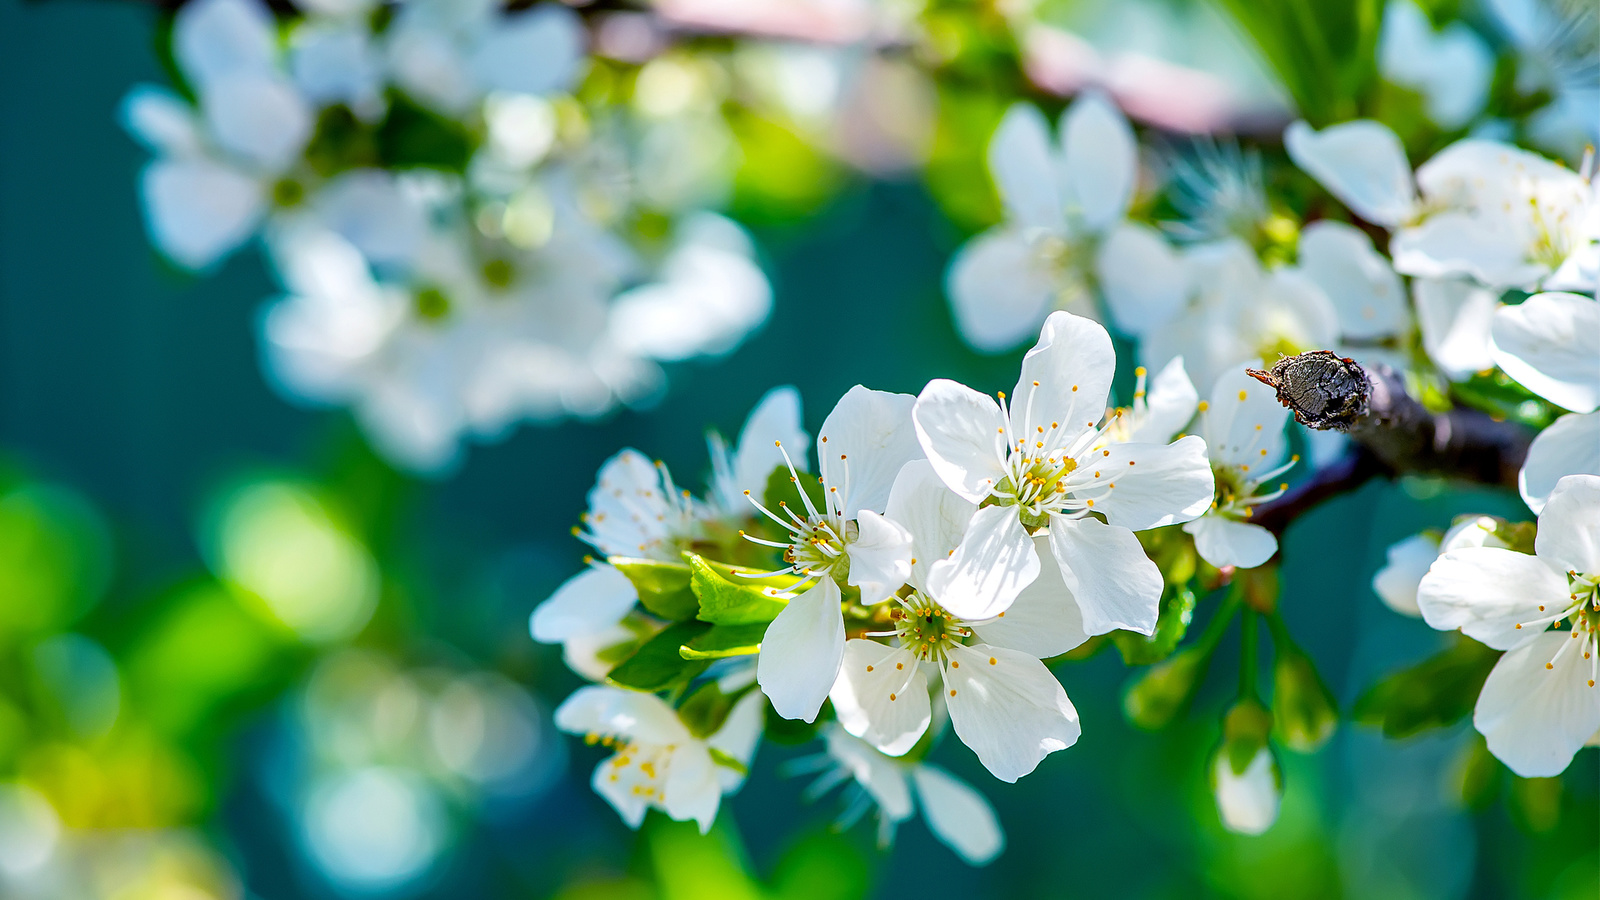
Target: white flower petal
936, 516
1172, 401
160, 120
337, 62
615, 712
630, 806
1243, 419
880, 557
963, 434
215, 38
1487, 592
994, 562
1144, 279
1024, 173
1000, 289
1105, 567
738, 736
1008, 708
1045, 619
1221, 541
1570, 446
1451, 243
958, 815
1153, 484
1569, 527
1361, 162
1455, 317
1360, 283
370, 209
882, 696
591, 601
801, 650
1535, 718
1406, 563
862, 445
1072, 364
1551, 344
259, 118
198, 211
775, 419
880, 776
692, 792
533, 52
1099, 159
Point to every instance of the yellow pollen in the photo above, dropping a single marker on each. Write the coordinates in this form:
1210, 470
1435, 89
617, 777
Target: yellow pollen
1244, 468
1105, 452
899, 665
649, 768
891, 698
1074, 388
992, 660
1204, 406
1036, 384
955, 665
869, 668
1002, 615
1139, 372
1258, 428
953, 690
1263, 452
1090, 502
1549, 665
1241, 395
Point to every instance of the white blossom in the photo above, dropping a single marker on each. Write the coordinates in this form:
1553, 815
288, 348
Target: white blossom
1407, 561
1540, 703
1043, 461
847, 541
1450, 68
658, 763
450, 54
1248, 801
1551, 344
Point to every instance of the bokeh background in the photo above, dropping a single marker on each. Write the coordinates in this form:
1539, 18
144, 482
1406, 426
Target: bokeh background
376, 722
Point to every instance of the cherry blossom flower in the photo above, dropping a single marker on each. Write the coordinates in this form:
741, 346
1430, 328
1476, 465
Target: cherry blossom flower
658, 763
1043, 461
1540, 703
1407, 561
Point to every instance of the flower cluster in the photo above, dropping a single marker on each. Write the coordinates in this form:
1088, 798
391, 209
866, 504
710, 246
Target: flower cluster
455, 233
942, 547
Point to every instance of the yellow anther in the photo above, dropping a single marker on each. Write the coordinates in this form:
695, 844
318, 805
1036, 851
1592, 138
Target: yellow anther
1204, 406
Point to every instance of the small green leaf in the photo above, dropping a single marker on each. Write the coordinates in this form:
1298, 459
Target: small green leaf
725, 640
657, 665
721, 758
1434, 693
705, 710
729, 598
663, 586
1177, 610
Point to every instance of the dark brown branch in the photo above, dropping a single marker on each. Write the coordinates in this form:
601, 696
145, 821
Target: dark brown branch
1329, 392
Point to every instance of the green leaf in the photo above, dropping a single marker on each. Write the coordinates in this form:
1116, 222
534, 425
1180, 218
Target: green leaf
1435, 693
705, 710
1177, 610
724, 641
728, 598
657, 665
663, 586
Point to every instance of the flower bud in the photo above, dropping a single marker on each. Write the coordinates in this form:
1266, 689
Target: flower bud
1244, 772
1303, 708
1157, 697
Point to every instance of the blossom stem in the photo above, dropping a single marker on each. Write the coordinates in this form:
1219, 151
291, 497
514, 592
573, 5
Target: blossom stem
1248, 645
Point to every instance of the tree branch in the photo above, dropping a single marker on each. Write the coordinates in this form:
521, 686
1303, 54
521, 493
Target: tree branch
1329, 392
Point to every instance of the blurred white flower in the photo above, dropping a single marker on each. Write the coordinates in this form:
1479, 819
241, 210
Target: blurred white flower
658, 763
1499, 214
373, 829
1248, 801
1367, 295
1065, 228
1044, 462
1540, 703
1570, 446
221, 167
863, 444
1450, 68
335, 58
1243, 429
1218, 190
450, 54
960, 817
1239, 312
1455, 316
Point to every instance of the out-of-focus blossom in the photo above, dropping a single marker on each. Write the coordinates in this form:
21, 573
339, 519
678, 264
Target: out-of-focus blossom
1540, 703
1550, 343
220, 167
1218, 190
1455, 316
1065, 228
1570, 446
1496, 213
1451, 67
1248, 801
1236, 312
450, 54
1367, 296
658, 763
